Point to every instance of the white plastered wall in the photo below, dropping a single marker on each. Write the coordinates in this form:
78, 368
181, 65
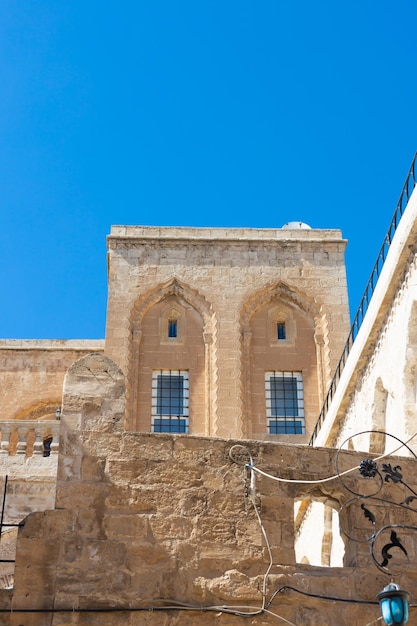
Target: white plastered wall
378, 384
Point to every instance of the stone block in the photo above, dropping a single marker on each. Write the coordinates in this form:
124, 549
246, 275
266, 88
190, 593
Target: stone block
121, 527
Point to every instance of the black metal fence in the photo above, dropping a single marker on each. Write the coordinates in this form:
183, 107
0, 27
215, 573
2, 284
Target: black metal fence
406, 192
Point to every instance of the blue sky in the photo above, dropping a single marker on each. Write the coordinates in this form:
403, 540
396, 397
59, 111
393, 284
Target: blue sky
199, 113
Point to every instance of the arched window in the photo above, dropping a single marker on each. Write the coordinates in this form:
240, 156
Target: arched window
168, 392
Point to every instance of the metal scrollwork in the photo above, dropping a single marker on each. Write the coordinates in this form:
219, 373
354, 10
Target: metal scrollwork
379, 490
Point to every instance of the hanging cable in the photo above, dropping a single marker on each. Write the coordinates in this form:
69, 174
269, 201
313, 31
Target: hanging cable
318, 481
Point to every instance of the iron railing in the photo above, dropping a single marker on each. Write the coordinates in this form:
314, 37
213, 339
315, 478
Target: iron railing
410, 183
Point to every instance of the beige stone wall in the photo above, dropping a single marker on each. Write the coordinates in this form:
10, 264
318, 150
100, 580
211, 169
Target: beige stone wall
226, 276
32, 374
143, 521
27, 484
298, 353
158, 352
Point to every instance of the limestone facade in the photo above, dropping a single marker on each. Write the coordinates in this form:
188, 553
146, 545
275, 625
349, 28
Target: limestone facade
157, 529
227, 289
32, 374
144, 519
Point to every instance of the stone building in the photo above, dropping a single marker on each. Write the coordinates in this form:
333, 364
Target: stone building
236, 320
377, 389
372, 400
186, 492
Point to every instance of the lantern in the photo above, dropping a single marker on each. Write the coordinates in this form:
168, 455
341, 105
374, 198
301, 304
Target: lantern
394, 604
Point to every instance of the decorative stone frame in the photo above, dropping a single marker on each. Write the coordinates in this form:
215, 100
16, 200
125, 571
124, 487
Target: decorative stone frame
42, 410
277, 315
284, 294
184, 295
176, 313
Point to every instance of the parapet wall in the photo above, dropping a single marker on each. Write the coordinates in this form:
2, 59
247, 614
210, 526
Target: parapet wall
162, 530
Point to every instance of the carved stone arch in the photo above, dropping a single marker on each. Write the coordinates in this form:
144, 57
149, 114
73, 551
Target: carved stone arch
32, 424
173, 287
42, 410
186, 296
297, 300
280, 291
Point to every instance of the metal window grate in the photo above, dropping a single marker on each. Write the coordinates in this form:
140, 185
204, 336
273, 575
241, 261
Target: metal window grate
170, 401
281, 333
285, 403
172, 329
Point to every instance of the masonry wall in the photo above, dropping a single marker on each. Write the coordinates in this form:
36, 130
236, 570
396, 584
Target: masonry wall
32, 374
157, 525
227, 276
27, 484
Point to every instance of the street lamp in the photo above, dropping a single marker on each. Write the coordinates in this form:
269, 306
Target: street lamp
394, 604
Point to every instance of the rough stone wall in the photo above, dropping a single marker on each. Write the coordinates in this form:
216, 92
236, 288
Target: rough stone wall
24, 496
27, 484
32, 374
226, 274
296, 354
144, 521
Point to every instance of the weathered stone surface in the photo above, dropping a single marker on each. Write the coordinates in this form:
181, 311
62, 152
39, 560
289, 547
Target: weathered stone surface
129, 546
226, 287
32, 373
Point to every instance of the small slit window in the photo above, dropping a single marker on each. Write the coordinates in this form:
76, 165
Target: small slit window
172, 329
281, 331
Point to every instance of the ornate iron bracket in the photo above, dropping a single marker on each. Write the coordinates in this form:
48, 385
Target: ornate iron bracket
380, 490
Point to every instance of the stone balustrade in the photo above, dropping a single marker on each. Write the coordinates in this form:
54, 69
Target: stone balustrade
29, 437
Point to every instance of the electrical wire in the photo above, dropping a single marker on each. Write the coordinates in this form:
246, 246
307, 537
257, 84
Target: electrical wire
375, 621
253, 467
239, 610
318, 596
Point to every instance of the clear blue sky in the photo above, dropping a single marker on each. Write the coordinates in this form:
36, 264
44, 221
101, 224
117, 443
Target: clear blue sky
192, 112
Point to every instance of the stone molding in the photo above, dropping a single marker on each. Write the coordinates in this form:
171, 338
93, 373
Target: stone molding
186, 294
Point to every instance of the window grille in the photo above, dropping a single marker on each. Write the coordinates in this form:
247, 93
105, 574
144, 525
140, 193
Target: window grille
281, 333
170, 401
285, 403
172, 329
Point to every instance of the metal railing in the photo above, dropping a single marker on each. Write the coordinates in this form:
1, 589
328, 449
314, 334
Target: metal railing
407, 190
